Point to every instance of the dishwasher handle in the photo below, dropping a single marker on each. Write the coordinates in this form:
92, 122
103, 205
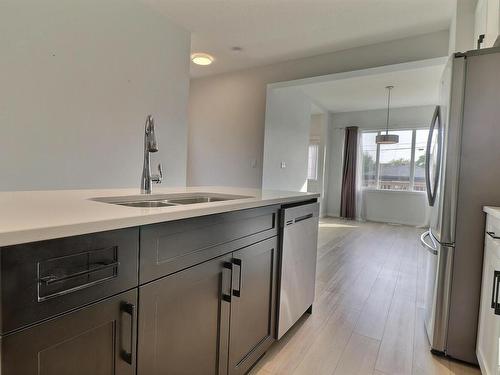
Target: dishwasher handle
296, 214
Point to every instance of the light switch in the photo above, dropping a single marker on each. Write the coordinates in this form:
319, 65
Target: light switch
283, 165
253, 163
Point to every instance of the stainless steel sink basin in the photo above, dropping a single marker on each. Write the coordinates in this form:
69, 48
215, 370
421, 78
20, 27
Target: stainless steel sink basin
147, 204
167, 200
200, 199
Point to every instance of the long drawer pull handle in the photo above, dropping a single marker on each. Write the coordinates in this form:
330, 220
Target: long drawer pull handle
228, 268
493, 235
129, 308
51, 279
305, 217
237, 292
495, 305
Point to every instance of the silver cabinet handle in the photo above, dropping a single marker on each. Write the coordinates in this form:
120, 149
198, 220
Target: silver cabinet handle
129, 309
50, 279
227, 268
495, 305
237, 262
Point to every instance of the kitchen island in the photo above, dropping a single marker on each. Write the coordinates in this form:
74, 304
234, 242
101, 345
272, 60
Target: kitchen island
90, 285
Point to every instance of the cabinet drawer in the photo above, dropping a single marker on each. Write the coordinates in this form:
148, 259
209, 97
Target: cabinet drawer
46, 278
99, 339
173, 246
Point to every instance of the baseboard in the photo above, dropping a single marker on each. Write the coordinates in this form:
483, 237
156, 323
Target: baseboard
333, 216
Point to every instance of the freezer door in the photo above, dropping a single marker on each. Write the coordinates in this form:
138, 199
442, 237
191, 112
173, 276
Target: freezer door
478, 186
439, 261
444, 152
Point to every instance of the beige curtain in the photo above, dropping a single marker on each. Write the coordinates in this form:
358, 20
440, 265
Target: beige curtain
348, 197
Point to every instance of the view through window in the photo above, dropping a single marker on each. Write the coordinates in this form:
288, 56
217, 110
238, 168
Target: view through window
312, 164
398, 166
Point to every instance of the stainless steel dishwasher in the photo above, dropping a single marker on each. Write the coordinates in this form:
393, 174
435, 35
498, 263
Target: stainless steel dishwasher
299, 226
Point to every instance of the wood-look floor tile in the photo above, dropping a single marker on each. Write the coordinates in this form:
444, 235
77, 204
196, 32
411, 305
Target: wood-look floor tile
458, 368
423, 361
285, 356
375, 311
359, 356
396, 350
322, 356
257, 370
367, 316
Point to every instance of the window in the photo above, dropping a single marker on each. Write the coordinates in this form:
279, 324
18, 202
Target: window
369, 160
312, 164
398, 166
395, 163
420, 145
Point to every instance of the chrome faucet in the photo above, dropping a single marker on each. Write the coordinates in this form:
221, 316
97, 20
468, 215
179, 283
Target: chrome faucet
150, 145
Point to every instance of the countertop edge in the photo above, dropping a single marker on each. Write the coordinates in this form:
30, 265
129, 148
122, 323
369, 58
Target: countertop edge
60, 231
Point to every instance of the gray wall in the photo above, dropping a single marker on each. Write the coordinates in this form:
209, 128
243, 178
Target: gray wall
227, 111
319, 133
77, 81
387, 206
287, 130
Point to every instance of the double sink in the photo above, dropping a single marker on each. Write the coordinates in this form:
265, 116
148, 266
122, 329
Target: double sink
167, 200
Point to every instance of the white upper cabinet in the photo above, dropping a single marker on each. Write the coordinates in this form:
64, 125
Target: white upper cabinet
489, 317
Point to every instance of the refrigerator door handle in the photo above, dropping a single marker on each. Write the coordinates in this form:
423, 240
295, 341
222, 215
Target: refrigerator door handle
431, 248
431, 191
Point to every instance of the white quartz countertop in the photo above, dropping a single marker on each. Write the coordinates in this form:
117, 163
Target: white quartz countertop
493, 211
28, 216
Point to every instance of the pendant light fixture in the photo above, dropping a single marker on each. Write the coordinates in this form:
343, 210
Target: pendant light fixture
387, 139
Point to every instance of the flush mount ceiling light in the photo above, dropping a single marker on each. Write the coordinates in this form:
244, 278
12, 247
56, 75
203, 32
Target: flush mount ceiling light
387, 139
202, 59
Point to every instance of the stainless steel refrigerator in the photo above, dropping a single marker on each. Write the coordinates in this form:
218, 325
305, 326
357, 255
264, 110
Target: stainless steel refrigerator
463, 175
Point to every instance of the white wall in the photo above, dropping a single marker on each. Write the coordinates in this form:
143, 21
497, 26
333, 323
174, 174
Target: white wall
487, 21
77, 81
401, 207
227, 111
374, 207
462, 27
318, 133
288, 124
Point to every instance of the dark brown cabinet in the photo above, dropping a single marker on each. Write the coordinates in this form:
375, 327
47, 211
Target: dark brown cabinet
214, 318
42, 279
173, 246
253, 304
183, 321
99, 339
189, 297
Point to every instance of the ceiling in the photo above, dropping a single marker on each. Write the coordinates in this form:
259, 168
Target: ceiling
413, 87
270, 31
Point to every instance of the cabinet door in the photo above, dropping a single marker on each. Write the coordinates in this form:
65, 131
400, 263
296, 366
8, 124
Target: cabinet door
489, 317
98, 340
253, 304
184, 319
